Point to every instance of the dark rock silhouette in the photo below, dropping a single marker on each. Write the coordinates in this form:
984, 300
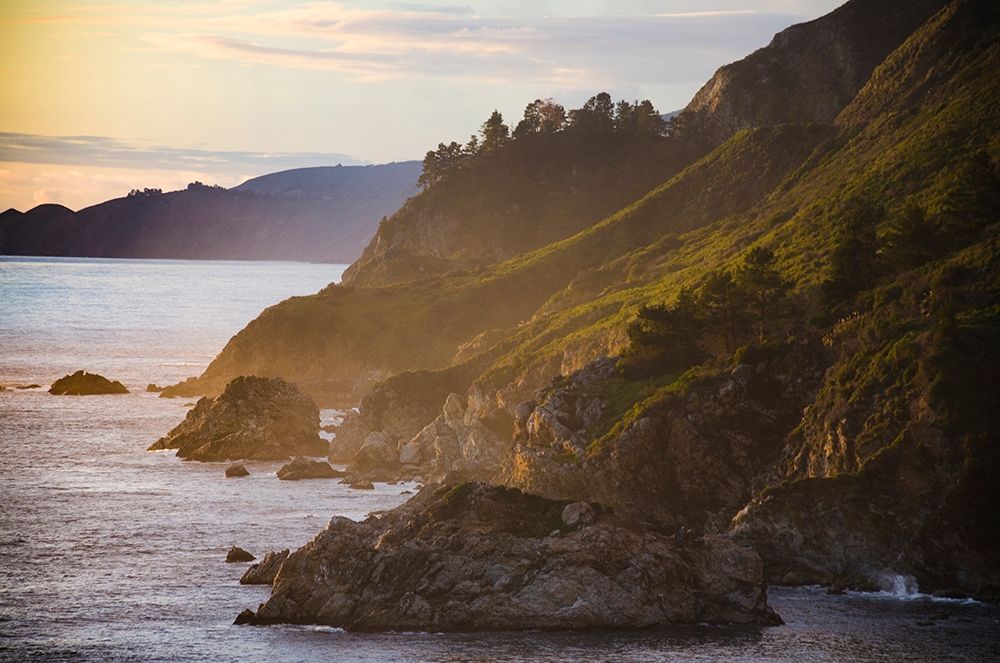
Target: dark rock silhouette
86, 384
237, 554
305, 468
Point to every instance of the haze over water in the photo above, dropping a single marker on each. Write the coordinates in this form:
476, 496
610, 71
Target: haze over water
110, 553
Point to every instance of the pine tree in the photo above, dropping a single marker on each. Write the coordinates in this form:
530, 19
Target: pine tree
762, 286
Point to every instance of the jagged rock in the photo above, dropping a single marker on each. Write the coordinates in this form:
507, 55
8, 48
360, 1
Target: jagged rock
578, 514
254, 418
689, 458
86, 384
237, 554
263, 572
245, 617
152, 387
237, 471
478, 557
362, 485
305, 468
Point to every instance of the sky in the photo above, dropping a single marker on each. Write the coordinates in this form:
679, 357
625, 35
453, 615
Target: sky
97, 98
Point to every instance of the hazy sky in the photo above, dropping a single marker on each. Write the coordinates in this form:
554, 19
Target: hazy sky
100, 97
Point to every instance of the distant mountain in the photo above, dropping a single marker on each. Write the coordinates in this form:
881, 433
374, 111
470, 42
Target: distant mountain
323, 214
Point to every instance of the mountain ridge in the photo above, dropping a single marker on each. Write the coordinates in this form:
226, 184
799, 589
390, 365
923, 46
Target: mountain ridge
322, 214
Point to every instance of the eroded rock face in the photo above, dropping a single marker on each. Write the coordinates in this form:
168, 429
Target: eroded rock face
254, 418
306, 468
692, 457
479, 557
82, 383
263, 572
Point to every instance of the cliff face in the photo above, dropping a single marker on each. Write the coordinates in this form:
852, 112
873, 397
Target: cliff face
809, 72
849, 438
318, 214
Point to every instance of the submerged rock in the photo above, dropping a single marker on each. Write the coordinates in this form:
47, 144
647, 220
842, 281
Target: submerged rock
263, 572
82, 383
305, 468
237, 471
362, 485
479, 557
254, 418
237, 554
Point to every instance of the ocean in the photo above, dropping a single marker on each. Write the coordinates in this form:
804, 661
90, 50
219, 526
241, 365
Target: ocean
112, 553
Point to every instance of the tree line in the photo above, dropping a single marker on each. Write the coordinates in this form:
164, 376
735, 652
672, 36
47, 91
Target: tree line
731, 306
599, 115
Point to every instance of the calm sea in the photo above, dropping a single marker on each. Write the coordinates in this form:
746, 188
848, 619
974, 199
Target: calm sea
110, 553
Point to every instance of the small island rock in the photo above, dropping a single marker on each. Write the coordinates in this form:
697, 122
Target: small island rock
237, 554
305, 468
254, 419
82, 383
152, 387
237, 471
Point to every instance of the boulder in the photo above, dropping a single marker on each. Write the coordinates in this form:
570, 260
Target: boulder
154, 388
377, 456
263, 572
237, 471
578, 514
479, 557
254, 419
362, 485
306, 468
237, 554
86, 384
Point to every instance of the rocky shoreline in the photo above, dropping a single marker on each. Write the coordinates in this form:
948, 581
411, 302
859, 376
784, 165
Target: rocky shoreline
475, 557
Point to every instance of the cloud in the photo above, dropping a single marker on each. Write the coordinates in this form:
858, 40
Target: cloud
441, 42
101, 151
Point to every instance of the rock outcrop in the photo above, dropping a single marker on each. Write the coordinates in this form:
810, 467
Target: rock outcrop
691, 456
237, 471
237, 554
307, 468
82, 383
263, 572
254, 419
478, 557
808, 73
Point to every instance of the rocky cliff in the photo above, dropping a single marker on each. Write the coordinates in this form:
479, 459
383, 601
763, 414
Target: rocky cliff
840, 420
809, 72
477, 557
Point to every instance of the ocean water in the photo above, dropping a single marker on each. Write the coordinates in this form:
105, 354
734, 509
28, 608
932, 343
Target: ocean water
112, 553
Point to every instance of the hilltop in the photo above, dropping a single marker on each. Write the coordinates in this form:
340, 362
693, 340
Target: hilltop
322, 214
